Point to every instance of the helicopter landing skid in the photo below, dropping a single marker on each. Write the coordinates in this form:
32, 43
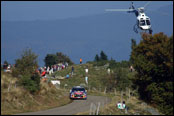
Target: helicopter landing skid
135, 28
147, 31
143, 31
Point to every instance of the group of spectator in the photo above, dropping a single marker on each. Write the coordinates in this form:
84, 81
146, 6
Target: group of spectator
7, 67
49, 70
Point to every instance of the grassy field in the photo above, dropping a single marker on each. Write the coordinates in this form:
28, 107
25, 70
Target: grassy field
15, 99
95, 77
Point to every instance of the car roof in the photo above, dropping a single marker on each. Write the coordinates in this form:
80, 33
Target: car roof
78, 87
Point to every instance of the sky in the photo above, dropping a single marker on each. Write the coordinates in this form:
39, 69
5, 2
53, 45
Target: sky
52, 10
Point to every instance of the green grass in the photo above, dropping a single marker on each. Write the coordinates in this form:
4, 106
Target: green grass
95, 78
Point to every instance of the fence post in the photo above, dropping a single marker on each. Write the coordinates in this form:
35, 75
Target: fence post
15, 85
129, 93
94, 109
121, 96
98, 108
90, 112
105, 90
115, 91
9, 87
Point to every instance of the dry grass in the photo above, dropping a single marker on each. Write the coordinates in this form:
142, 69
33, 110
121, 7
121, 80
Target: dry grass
17, 99
133, 103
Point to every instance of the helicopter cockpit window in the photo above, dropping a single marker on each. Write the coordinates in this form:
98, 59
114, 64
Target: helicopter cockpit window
148, 22
142, 22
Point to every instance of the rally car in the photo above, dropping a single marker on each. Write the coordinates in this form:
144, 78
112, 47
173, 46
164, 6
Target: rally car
78, 92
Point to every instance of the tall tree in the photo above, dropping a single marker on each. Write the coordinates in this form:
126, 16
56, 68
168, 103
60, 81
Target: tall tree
5, 62
27, 64
63, 58
50, 59
133, 43
26, 67
103, 56
96, 58
153, 60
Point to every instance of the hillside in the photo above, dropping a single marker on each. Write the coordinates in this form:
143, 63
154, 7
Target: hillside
15, 99
97, 85
84, 36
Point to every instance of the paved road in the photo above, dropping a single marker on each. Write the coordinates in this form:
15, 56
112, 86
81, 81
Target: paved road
152, 111
75, 107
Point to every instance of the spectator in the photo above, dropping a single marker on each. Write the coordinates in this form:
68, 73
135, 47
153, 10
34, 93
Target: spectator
43, 73
72, 70
66, 65
48, 69
109, 71
67, 76
80, 60
131, 68
51, 71
5, 66
86, 80
86, 70
124, 105
63, 66
54, 68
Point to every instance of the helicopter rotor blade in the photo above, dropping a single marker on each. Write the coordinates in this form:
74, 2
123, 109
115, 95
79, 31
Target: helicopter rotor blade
119, 9
159, 12
147, 4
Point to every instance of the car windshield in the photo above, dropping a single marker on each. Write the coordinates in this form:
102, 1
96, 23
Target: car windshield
78, 89
147, 22
142, 22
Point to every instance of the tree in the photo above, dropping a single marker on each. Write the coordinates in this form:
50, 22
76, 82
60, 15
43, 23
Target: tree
26, 67
133, 43
5, 62
153, 60
59, 57
63, 58
50, 59
103, 56
97, 58
27, 64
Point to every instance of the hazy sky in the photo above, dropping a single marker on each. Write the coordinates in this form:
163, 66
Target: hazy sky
51, 10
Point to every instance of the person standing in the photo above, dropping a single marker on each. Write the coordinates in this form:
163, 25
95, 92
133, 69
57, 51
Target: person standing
86, 70
48, 69
80, 60
109, 71
86, 80
72, 71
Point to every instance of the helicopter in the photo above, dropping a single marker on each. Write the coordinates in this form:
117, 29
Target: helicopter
143, 21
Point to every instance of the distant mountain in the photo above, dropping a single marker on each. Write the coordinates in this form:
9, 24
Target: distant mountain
81, 37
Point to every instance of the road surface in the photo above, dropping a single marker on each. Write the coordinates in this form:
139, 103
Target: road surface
73, 108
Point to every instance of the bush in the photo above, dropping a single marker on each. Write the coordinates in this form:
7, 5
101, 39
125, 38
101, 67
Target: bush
31, 83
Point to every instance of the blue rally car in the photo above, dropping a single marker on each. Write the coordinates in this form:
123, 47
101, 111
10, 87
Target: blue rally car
78, 92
